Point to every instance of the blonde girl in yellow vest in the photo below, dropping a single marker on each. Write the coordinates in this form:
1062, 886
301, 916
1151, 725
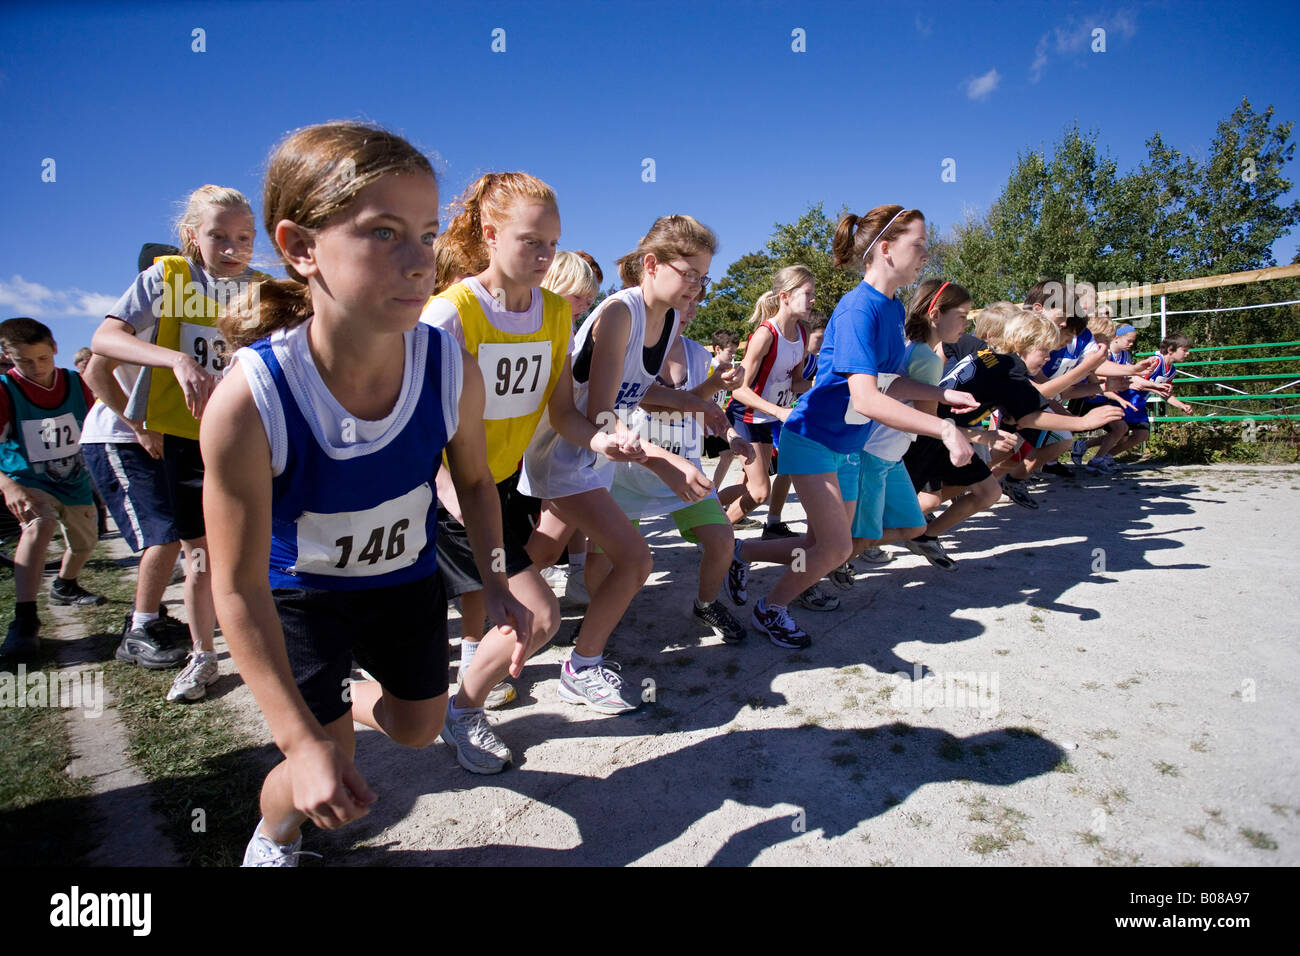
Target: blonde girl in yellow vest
505, 234
167, 324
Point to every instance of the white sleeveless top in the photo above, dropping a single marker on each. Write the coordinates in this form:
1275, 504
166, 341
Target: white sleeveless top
553, 468
775, 380
638, 490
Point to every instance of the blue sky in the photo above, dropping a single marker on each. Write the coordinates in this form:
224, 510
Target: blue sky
743, 130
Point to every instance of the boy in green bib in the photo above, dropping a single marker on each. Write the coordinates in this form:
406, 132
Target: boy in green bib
42, 475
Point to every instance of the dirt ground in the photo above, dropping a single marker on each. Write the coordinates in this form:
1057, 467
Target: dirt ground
1111, 679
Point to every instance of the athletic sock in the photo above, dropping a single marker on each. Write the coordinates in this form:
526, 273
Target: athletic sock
467, 651
577, 662
701, 605
140, 618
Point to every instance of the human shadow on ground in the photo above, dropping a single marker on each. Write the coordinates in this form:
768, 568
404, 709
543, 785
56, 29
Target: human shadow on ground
800, 780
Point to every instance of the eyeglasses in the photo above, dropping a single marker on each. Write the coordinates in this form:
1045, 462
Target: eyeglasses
691, 278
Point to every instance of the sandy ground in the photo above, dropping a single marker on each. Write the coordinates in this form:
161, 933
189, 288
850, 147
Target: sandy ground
1112, 679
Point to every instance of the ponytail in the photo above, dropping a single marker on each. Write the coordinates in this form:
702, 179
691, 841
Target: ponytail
266, 306
858, 237
489, 199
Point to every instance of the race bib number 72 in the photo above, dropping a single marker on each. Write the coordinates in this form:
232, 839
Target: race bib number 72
49, 439
362, 544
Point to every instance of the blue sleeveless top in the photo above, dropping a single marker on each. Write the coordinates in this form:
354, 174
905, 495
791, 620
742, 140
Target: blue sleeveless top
351, 511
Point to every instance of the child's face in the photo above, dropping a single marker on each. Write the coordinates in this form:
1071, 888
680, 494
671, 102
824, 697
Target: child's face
1035, 358
1179, 354
34, 362
951, 323
579, 303
725, 355
225, 240
374, 263
801, 300
910, 252
678, 281
1125, 342
524, 245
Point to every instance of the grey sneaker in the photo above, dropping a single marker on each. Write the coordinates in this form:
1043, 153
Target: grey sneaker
263, 851
1017, 492
599, 687
497, 697
842, 577
814, 599
932, 551
722, 622
478, 748
876, 556
192, 683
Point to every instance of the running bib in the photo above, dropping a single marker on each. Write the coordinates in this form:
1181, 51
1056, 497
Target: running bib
362, 544
854, 417
515, 375
204, 344
49, 439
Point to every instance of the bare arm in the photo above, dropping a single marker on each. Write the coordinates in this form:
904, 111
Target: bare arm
480, 505
99, 376
116, 339
868, 401
759, 343
237, 503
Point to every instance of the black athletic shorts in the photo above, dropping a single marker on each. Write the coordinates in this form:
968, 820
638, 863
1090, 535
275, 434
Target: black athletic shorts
715, 445
930, 467
519, 514
183, 468
397, 633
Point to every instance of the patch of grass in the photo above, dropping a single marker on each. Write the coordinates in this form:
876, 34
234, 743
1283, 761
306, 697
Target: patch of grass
1198, 832
1104, 734
1064, 766
917, 821
1088, 838
1002, 651
892, 800
1091, 685
1216, 816
1200, 746
1167, 769
900, 729
867, 733
850, 702
885, 862
197, 759
897, 748
44, 813
1258, 839
1128, 682
986, 843
856, 670
1278, 808
1113, 857
756, 702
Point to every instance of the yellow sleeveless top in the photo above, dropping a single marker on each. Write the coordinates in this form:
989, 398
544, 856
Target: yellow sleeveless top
519, 372
187, 322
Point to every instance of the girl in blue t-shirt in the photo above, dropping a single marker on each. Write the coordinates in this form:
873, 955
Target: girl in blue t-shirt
861, 360
321, 446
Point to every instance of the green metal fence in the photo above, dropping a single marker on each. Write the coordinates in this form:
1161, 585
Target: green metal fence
1229, 403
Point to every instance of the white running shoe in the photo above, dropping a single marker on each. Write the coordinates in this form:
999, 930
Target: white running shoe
478, 748
599, 687
192, 683
263, 851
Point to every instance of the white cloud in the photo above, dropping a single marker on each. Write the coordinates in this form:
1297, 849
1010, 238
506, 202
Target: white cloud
979, 87
1075, 36
20, 297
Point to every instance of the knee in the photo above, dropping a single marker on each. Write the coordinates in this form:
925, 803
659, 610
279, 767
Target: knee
42, 527
546, 622
760, 492
987, 495
417, 737
640, 562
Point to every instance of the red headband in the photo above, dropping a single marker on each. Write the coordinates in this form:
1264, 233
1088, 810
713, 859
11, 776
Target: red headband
930, 308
